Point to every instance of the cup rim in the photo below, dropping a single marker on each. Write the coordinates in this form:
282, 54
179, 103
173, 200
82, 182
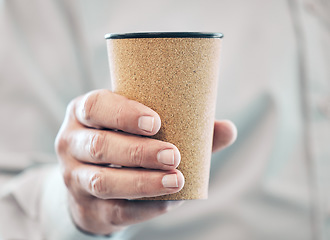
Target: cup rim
163, 35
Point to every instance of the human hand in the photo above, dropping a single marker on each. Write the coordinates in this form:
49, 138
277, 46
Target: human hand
88, 141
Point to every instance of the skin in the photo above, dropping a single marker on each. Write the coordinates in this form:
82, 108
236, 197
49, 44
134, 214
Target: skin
102, 128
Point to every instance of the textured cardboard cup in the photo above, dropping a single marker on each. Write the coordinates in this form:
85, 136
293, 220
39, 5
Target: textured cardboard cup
176, 75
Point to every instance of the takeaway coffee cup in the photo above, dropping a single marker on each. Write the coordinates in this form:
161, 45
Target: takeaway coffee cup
175, 74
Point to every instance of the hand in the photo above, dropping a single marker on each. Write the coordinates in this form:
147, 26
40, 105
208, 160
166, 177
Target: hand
103, 128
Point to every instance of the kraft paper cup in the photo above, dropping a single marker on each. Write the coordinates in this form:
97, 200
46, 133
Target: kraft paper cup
175, 74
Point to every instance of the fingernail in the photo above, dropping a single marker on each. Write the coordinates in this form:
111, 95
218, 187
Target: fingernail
146, 123
166, 157
170, 181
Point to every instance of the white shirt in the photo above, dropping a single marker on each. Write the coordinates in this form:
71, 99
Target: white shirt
273, 183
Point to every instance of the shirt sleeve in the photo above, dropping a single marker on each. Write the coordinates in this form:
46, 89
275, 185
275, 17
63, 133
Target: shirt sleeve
33, 205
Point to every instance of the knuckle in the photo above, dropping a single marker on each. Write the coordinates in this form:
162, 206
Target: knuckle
141, 185
71, 106
62, 140
61, 144
67, 177
98, 185
90, 105
97, 146
117, 216
118, 116
136, 154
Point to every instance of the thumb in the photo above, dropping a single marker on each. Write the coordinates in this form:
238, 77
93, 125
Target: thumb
225, 134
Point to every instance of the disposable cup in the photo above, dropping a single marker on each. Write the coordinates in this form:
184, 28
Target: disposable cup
176, 75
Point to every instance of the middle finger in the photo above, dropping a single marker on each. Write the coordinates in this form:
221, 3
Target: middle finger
118, 148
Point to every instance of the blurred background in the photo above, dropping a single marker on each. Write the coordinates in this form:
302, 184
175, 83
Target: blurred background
274, 85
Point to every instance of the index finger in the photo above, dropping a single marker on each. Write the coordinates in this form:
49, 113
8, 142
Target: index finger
105, 109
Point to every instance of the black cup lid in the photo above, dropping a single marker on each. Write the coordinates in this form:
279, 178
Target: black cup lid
163, 35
